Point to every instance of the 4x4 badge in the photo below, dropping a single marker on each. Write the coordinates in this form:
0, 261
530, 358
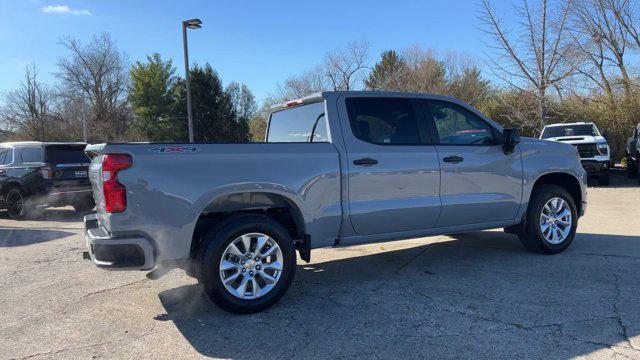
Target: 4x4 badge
174, 149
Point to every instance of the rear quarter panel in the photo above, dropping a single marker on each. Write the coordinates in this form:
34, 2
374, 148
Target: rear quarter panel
167, 192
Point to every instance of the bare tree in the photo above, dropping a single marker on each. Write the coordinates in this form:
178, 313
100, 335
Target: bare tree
603, 39
627, 13
29, 109
244, 103
539, 54
341, 70
98, 72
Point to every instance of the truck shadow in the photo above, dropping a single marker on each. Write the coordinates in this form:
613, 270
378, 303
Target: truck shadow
475, 293
12, 237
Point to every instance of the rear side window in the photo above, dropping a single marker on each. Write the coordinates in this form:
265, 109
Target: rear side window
383, 121
66, 154
31, 154
298, 124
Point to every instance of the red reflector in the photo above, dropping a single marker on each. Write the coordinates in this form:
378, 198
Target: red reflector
115, 194
47, 172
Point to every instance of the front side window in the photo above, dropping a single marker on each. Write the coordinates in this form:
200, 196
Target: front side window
383, 121
458, 126
297, 124
31, 154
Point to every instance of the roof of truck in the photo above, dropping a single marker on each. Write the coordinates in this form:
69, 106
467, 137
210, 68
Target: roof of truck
573, 123
319, 96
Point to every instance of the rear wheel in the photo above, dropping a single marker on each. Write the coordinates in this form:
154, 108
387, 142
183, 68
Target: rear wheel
84, 205
552, 220
247, 265
18, 206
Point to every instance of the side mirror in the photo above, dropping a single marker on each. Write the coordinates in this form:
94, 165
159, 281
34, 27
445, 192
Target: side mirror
605, 134
511, 139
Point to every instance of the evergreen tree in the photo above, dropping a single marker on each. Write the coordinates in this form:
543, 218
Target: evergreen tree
389, 73
214, 118
152, 97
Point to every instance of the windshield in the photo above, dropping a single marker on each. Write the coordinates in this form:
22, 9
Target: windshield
569, 130
298, 124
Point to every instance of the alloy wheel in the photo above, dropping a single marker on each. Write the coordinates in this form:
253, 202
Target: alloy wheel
555, 220
251, 266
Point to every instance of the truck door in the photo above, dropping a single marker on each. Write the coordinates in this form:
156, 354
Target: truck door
480, 184
393, 171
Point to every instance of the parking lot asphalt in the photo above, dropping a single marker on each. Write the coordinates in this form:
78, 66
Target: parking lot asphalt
473, 295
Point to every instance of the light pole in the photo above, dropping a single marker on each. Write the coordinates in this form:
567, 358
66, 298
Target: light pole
191, 24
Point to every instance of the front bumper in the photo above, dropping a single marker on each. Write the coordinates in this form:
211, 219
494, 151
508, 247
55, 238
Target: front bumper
595, 167
118, 253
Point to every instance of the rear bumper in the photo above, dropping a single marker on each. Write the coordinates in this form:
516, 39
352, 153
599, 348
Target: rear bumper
117, 253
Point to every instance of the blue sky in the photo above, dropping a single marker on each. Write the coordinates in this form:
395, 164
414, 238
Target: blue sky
259, 43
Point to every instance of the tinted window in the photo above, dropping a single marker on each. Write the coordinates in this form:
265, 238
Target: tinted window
31, 154
65, 154
383, 121
296, 124
458, 126
569, 130
3, 156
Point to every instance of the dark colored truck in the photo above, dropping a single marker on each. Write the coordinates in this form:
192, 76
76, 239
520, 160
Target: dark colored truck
36, 174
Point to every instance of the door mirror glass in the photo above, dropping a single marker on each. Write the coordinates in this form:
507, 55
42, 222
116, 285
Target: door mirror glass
511, 139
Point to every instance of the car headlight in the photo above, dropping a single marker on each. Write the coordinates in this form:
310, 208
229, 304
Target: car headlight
603, 148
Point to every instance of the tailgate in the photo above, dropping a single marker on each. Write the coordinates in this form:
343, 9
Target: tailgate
68, 162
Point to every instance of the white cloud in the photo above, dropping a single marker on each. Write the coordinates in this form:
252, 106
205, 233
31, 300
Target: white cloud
64, 9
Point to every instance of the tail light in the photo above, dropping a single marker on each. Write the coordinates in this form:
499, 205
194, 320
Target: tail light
115, 194
47, 172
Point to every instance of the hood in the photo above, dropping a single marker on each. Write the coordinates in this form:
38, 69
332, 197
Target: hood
578, 139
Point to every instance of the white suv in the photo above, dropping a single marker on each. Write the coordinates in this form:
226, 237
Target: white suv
594, 151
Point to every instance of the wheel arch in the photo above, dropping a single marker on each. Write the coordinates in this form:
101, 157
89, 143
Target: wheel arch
276, 206
565, 180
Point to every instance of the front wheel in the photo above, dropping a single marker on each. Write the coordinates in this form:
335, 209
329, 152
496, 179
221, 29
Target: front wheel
552, 220
604, 180
247, 265
632, 168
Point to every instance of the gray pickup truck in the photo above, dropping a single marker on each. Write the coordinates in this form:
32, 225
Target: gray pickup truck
337, 169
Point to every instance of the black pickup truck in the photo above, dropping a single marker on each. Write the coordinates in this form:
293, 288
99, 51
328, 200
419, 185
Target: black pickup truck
35, 174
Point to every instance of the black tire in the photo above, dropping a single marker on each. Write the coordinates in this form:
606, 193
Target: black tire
84, 206
604, 180
532, 238
632, 168
212, 249
18, 205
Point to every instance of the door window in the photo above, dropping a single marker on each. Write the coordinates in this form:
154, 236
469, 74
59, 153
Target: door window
458, 126
383, 121
31, 154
